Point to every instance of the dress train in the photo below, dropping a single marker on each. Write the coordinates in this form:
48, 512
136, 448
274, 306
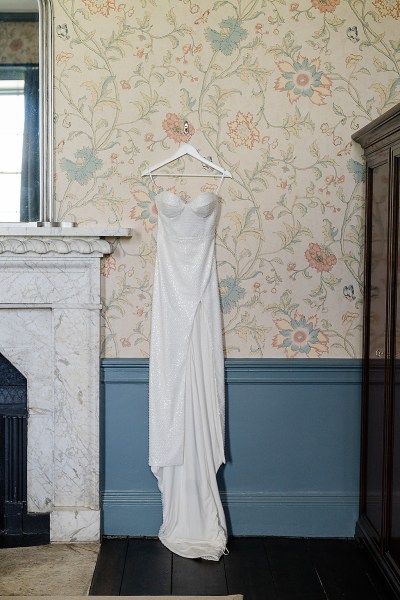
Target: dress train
194, 523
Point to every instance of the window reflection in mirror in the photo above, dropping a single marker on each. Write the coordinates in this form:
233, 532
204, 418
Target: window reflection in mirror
19, 111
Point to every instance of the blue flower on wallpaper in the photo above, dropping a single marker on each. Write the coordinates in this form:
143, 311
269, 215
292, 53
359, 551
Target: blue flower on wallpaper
228, 38
85, 166
145, 210
303, 78
231, 292
298, 335
357, 169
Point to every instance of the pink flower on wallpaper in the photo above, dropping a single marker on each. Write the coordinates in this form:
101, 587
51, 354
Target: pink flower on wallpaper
388, 8
325, 5
173, 127
242, 131
107, 264
100, 6
319, 259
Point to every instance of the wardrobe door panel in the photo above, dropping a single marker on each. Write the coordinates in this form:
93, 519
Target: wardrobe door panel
378, 176
394, 538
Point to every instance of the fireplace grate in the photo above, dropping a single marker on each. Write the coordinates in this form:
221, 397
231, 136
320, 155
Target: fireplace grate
17, 526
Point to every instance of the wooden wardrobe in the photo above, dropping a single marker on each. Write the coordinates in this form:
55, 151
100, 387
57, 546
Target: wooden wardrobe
379, 522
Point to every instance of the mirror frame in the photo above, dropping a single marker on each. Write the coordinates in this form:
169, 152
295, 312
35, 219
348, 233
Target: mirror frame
46, 111
46, 117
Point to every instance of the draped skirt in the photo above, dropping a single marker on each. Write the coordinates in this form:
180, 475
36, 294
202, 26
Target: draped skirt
194, 523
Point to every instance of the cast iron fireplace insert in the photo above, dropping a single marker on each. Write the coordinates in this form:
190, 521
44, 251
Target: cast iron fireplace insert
17, 526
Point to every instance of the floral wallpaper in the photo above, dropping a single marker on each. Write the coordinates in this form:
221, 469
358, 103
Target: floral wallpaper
271, 90
19, 43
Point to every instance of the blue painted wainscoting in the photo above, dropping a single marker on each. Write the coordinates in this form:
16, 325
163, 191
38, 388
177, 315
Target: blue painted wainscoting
292, 446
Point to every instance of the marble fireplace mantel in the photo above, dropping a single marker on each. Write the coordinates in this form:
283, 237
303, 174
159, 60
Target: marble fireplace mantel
50, 331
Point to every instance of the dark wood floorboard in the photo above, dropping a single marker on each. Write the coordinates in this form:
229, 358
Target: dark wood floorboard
109, 569
342, 571
247, 569
377, 580
198, 577
294, 574
259, 568
148, 569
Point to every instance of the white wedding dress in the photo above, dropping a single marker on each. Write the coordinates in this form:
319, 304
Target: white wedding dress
186, 392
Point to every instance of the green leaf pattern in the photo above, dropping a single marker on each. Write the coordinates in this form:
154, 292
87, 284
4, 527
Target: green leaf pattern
272, 91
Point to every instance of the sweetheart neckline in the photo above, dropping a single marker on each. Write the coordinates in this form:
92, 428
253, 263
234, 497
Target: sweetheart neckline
192, 201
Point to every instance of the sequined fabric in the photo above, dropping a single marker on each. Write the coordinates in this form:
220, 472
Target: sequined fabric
186, 402
185, 276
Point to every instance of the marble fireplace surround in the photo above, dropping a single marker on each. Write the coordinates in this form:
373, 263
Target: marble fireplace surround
50, 331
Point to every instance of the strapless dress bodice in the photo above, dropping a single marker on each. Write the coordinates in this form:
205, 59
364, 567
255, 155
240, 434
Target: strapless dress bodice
187, 219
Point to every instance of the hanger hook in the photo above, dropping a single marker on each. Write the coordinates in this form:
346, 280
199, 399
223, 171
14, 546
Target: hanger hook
186, 128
